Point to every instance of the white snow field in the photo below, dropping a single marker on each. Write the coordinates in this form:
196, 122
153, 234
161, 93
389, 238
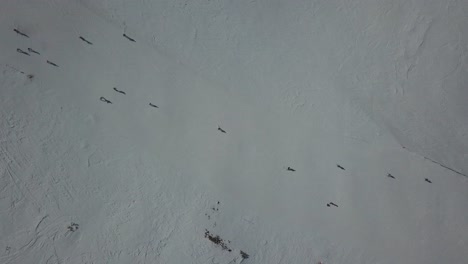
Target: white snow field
375, 87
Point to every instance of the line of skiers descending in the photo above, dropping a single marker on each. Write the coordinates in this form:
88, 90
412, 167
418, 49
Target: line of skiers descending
50, 62
103, 99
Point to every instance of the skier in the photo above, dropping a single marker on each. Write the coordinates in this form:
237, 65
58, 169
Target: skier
105, 100
85, 40
119, 91
129, 38
33, 51
20, 33
22, 52
51, 63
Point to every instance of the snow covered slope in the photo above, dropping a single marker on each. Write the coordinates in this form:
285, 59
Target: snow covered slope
343, 92
403, 63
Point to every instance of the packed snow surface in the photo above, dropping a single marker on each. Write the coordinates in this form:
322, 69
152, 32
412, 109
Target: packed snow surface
221, 131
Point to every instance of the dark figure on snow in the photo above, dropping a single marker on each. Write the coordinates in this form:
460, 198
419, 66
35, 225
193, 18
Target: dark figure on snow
51, 63
291, 169
105, 100
339, 166
85, 40
73, 227
390, 176
33, 51
22, 52
20, 33
129, 38
119, 91
153, 105
222, 130
427, 180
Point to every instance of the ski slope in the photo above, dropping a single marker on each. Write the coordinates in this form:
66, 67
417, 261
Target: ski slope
343, 93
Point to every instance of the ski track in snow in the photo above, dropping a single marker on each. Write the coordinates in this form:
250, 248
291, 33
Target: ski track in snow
143, 184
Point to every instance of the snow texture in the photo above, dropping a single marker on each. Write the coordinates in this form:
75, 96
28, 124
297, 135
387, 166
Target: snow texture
218, 131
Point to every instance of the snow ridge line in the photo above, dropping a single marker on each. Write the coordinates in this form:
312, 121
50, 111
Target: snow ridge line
443, 166
438, 163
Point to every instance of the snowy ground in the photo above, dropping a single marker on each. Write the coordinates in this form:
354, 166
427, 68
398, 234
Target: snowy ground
375, 87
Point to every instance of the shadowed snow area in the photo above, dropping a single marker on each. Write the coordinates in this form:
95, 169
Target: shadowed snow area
220, 131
